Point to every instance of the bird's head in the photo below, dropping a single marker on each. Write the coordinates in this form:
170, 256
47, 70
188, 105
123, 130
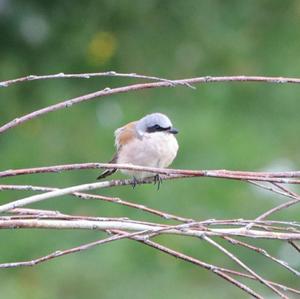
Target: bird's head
155, 122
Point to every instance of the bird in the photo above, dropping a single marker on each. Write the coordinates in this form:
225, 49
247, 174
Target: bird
148, 142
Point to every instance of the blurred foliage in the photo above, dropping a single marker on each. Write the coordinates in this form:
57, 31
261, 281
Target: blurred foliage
247, 126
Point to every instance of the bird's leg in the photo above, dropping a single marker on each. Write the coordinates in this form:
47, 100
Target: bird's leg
158, 180
134, 182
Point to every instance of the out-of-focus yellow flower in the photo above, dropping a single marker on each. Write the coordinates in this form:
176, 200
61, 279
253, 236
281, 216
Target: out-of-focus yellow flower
102, 48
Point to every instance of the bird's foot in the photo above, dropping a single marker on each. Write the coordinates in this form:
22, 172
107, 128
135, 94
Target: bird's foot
134, 182
158, 180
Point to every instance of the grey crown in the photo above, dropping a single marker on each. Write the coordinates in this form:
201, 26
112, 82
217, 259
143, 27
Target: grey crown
151, 120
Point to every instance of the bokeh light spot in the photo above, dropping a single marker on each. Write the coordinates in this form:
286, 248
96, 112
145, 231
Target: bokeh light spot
102, 48
34, 28
109, 114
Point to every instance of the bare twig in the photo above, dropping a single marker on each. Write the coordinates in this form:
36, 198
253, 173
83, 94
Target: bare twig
169, 173
205, 79
134, 87
86, 246
92, 244
126, 224
277, 177
35, 212
51, 194
66, 217
243, 265
80, 76
127, 235
284, 192
267, 225
245, 175
144, 237
145, 240
215, 269
59, 253
71, 190
87, 196
273, 210
263, 252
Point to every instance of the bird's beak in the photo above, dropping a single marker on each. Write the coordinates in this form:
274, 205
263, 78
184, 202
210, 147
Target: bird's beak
173, 131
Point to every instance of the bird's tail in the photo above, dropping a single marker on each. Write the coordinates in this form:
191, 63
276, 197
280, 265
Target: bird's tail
108, 172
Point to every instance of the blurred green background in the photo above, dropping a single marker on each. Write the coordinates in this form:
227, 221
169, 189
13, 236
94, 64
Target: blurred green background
246, 126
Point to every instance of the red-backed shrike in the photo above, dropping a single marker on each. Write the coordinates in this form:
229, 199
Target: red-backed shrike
149, 142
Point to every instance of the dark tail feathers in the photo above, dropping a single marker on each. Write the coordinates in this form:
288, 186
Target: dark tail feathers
108, 172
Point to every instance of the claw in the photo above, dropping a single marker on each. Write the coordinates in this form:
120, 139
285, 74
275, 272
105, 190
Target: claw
158, 180
134, 182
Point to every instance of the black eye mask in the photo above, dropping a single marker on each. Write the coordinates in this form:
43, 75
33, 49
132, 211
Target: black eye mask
157, 128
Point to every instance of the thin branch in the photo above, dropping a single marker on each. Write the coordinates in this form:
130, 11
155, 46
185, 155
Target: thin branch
66, 217
59, 192
87, 196
246, 175
264, 253
171, 173
282, 192
59, 253
135, 87
130, 225
142, 239
92, 244
286, 226
35, 212
282, 206
273, 210
243, 265
262, 224
206, 79
21, 214
80, 76
267, 225
277, 177
215, 269
71, 190
286, 190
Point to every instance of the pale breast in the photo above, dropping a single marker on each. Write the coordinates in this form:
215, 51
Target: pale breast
153, 150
